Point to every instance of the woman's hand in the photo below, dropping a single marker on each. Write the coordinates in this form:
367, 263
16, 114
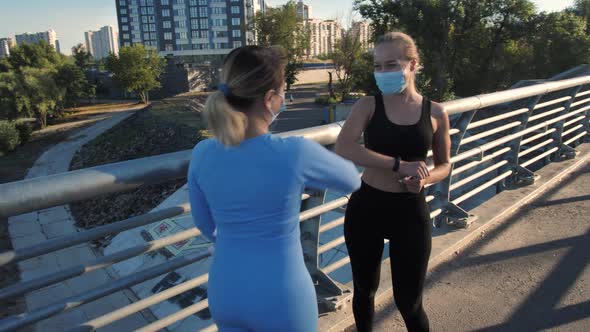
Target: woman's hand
416, 169
413, 184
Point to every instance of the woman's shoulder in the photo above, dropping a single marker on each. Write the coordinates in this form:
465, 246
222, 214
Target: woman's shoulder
437, 110
203, 146
365, 102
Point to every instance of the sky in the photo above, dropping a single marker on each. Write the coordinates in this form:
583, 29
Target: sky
71, 18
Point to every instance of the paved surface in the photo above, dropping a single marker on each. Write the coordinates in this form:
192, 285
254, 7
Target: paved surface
32, 228
530, 273
303, 112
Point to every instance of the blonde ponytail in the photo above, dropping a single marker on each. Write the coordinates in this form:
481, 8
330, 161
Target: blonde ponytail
227, 124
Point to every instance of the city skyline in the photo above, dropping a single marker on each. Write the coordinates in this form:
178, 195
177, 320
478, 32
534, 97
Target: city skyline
71, 18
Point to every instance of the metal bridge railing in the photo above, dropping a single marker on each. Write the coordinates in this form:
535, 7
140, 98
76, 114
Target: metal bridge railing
498, 141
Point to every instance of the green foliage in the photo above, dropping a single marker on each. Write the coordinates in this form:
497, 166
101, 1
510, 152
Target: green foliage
471, 46
82, 58
136, 69
71, 78
281, 27
24, 131
327, 100
9, 137
346, 53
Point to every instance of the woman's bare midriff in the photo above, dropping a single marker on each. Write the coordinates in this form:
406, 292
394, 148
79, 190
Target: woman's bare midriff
384, 180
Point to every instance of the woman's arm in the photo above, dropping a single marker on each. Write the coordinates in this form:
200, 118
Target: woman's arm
323, 169
199, 207
347, 146
441, 151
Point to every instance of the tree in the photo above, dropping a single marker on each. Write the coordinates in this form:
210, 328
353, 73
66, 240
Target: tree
346, 53
281, 26
71, 78
28, 82
82, 58
137, 70
559, 43
461, 42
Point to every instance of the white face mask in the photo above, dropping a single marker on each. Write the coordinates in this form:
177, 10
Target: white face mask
282, 109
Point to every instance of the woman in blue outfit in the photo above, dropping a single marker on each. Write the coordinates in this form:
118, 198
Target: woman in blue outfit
245, 189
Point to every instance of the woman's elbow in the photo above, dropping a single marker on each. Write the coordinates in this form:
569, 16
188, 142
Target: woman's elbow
342, 149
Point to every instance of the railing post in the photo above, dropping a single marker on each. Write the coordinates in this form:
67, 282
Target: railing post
521, 176
331, 295
452, 214
565, 151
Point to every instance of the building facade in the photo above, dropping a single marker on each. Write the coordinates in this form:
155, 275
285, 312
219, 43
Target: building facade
49, 36
103, 42
364, 32
304, 11
186, 27
5, 45
324, 34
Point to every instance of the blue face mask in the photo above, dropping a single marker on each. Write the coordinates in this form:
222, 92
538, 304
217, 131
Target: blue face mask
390, 82
282, 109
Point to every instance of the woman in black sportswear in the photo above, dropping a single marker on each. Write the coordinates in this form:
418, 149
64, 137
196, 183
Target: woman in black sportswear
399, 127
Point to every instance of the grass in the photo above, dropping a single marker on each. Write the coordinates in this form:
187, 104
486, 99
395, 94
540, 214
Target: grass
14, 167
168, 126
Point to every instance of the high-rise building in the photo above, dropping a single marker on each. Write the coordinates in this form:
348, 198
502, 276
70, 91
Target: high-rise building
103, 42
49, 36
5, 45
186, 27
363, 31
323, 36
304, 11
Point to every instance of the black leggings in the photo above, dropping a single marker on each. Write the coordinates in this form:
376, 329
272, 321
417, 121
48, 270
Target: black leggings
373, 215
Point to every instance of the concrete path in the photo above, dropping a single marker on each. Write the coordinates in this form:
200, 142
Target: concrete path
33, 228
529, 273
303, 112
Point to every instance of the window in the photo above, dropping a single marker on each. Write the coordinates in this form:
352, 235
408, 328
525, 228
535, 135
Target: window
167, 24
180, 24
168, 35
235, 21
152, 19
142, 2
124, 19
194, 34
122, 3
220, 34
219, 22
143, 11
204, 23
237, 44
179, 2
150, 10
166, 12
203, 2
193, 2
181, 35
144, 19
169, 47
235, 9
152, 28
235, 0
126, 36
203, 12
164, 2
221, 45
125, 27
123, 11
237, 33
194, 12
150, 2
179, 12
145, 27
219, 10
146, 36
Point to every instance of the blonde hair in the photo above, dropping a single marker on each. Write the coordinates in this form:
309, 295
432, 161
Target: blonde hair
248, 73
410, 51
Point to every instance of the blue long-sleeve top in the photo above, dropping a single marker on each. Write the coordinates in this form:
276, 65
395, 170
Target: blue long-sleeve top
254, 190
